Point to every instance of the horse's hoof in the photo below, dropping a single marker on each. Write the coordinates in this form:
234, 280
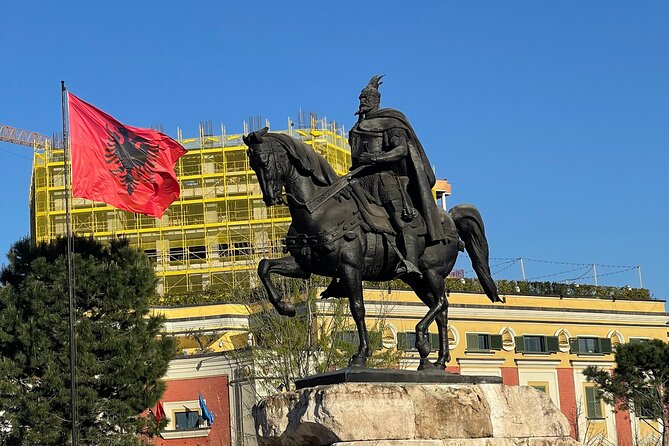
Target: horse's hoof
426, 365
285, 309
442, 361
358, 361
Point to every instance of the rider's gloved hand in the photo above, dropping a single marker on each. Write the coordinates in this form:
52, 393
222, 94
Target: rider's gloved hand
367, 158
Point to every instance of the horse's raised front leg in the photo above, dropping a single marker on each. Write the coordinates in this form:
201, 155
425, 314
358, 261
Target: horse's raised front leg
285, 266
352, 281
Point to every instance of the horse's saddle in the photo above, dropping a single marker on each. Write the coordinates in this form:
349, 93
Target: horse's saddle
376, 217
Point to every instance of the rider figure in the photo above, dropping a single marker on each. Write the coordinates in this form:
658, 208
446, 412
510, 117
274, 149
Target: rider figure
400, 177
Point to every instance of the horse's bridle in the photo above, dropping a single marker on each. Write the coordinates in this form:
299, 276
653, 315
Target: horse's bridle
272, 151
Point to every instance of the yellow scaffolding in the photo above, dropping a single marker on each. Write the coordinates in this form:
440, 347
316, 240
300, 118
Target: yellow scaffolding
213, 235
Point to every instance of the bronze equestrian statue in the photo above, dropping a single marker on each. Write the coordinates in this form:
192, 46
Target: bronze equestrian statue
378, 222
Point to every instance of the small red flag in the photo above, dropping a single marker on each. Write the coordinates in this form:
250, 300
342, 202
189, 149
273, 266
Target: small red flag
159, 412
127, 167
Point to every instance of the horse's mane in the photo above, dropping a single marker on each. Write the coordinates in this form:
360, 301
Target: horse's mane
306, 159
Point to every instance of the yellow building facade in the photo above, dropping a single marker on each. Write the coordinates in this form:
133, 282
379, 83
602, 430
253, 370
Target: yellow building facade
213, 235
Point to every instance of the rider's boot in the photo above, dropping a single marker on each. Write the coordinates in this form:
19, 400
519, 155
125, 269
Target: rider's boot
408, 262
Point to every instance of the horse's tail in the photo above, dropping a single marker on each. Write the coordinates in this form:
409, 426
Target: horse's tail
470, 229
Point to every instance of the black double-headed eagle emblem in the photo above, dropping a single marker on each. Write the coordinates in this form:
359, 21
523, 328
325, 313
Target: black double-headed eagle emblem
130, 157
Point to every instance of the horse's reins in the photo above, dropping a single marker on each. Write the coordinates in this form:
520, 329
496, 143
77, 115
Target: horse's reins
319, 199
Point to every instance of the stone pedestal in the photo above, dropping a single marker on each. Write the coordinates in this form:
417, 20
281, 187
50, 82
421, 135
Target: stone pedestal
411, 414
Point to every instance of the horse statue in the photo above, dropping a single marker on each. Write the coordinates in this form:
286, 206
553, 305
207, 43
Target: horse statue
335, 233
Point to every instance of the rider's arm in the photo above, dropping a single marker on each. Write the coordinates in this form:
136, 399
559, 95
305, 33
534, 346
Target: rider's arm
398, 141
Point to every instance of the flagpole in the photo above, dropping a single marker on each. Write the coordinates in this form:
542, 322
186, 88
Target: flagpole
70, 272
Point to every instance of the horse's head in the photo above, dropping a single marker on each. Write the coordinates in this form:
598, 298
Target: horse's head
269, 161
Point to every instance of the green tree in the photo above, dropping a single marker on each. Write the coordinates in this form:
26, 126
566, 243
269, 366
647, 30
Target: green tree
120, 355
289, 348
639, 382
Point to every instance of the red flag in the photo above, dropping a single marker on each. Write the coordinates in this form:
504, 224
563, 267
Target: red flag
159, 412
127, 167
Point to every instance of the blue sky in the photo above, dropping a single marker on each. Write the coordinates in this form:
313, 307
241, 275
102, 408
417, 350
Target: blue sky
551, 117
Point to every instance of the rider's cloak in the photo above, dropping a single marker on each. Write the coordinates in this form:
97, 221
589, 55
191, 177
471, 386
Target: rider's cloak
420, 173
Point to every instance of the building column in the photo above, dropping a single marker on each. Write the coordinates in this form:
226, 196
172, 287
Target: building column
623, 427
568, 397
510, 376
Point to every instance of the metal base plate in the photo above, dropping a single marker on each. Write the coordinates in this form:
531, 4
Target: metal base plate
365, 375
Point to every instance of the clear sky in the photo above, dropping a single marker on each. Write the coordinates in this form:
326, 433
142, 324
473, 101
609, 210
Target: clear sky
551, 117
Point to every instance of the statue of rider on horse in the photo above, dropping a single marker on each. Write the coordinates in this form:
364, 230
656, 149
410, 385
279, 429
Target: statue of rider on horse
376, 223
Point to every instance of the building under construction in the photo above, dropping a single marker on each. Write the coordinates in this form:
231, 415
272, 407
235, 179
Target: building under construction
214, 234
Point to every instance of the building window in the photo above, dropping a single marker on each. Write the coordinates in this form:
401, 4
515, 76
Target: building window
539, 385
648, 405
407, 341
152, 254
537, 344
176, 254
534, 343
224, 250
588, 345
638, 340
647, 410
197, 252
243, 249
348, 339
593, 403
187, 420
483, 342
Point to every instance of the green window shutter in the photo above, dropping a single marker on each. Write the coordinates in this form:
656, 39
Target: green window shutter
606, 345
473, 341
573, 345
434, 341
495, 342
402, 342
598, 406
552, 344
520, 344
593, 403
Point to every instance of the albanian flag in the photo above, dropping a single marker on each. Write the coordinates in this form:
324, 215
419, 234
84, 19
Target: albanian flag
159, 413
127, 167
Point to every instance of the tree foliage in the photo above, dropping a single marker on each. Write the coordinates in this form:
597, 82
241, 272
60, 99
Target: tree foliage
120, 356
639, 382
231, 293
285, 349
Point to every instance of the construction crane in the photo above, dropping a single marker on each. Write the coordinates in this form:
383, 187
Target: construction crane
13, 135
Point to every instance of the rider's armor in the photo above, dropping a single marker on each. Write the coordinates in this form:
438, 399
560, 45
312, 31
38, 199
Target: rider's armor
386, 183
381, 180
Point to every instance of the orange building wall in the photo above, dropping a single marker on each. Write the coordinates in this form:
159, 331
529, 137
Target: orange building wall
215, 392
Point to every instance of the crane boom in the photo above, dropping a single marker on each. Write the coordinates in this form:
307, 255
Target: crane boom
23, 137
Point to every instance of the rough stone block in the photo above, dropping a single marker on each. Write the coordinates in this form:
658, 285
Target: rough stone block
411, 414
518, 410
